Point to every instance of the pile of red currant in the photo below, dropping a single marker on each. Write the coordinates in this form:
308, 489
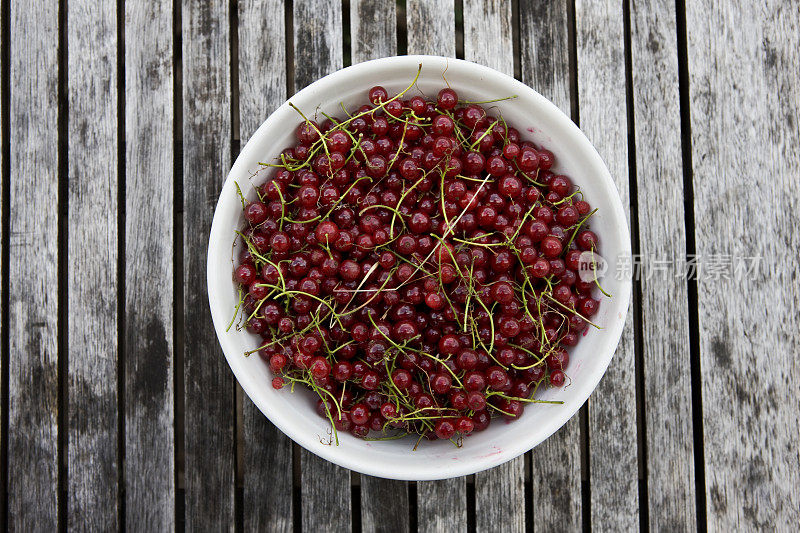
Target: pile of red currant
415, 263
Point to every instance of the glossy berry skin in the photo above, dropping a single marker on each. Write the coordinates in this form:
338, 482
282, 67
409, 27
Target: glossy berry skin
444, 429
447, 99
416, 257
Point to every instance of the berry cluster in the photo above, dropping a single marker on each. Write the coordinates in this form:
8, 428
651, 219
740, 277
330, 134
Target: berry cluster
416, 265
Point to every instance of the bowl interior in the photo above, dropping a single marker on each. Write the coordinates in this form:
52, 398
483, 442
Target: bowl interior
539, 121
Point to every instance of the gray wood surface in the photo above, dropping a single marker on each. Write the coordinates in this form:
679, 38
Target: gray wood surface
613, 470
745, 102
665, 305
544, 49
92, 462
373, 29
441, 505
499, 492
325, 495
33, 407
318, 51
431, 26
742, 101
488, 34
384, 505
209, 394
556, 463
267, 502
149, 271
3, 288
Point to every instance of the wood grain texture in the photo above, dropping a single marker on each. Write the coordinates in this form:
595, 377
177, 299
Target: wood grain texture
325, 494
555, 463
209, 394
544, 49
318, 51
665, 320
488, 35
267, 502
373, 29
500, 497
33, 285
93, 170
442, 505
384, 505
499, 492
4, 310
431, 27
745, 103
612, 407
317, 40
149, 351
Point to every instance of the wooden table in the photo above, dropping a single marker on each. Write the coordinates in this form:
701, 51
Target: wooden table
120, 120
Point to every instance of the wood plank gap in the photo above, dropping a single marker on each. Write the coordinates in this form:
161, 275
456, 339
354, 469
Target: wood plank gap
235, 120
458, 10
233, 31
402, 28
5, 172
178, 331
515, 39
586, 478
636, 302
528, 488
471, 518
288, 21
297, 492
63, 267
121, 263
572, 48
583, 414
691, 251
412, 507
355, 506
347, 40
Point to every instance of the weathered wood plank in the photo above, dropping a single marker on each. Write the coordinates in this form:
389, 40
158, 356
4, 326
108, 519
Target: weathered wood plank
745, 102
33, 292
317, 40
488, 35
318, 51
441, 505
384, 505
500, 497
431, 27
499, 492
262, 88
373, 34
92, 257
209, 394
149, 199
373, 29
556, 463
544, 49
665, 319
325, 495
4, 310
612, 407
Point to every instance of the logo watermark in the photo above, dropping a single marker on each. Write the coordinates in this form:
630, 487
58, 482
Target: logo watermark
591, 266
711, 267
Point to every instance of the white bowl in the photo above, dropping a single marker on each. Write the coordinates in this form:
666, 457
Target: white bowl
539, 121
